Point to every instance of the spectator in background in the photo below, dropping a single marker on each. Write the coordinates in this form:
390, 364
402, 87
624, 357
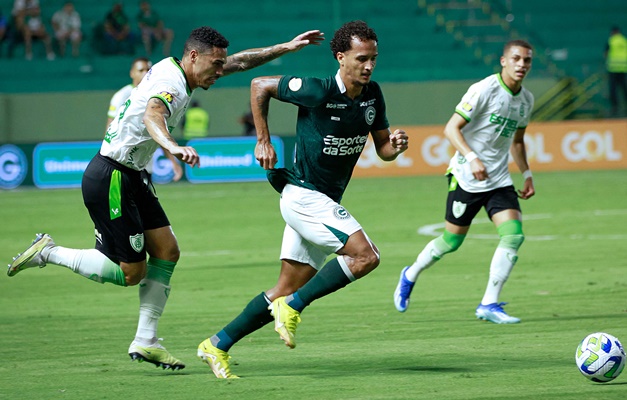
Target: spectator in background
3, 30
67, 26
117, 32
195, 122
248, 123
153, 29
616, 61
28, 23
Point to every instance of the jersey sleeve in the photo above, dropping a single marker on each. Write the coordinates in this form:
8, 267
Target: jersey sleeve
116, 101
307, 92
172, 97
470, 102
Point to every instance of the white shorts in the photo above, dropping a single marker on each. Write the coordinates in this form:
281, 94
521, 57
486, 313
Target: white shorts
316, 226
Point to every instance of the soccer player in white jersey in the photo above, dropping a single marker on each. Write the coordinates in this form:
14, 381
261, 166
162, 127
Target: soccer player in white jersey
139, 68
489, 121
129, 221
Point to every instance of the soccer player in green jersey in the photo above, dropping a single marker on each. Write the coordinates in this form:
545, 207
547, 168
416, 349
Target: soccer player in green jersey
335, 117
489, 121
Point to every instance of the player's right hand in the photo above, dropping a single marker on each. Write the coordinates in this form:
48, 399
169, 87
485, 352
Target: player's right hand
186, 154
478, 170
266, 155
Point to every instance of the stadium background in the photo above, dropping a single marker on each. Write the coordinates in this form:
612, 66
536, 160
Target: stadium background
430, 51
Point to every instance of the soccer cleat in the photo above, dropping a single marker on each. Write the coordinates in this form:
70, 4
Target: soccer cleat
217, 359
31, 257
154, 354
286, 319
494, 313
402, 292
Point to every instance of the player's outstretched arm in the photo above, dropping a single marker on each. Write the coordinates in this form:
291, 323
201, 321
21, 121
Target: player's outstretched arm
251, 58
261, 90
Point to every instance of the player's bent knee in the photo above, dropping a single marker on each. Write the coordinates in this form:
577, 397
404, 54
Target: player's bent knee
512, 241
511, 234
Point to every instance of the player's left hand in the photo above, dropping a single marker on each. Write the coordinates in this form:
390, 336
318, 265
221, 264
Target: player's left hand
528, 190
314, 37
399, 140
178, 172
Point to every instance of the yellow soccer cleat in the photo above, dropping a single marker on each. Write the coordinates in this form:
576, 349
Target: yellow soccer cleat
217, 359
286, 319
154, 354
31, 257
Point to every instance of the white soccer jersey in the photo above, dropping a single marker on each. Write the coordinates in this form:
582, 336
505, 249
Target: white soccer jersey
118, 99
494, 114
127, 140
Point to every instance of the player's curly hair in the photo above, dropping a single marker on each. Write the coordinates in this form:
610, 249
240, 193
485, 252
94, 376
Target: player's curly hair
203, 39
341, 41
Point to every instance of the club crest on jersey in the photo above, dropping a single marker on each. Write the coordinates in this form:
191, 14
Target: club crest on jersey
137, 242
370, 114
459, 209
169, 97
295, 84
340, 212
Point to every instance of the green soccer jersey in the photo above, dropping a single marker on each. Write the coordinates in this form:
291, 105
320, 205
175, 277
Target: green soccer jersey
331, 131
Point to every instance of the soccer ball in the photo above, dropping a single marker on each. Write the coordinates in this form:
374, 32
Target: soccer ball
600, 357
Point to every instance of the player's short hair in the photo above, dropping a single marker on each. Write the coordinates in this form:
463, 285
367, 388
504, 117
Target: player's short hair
341, 41
138, 59
517, 42
204, 39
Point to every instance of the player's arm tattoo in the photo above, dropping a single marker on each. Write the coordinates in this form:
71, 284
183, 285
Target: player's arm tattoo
251, 58
262, 89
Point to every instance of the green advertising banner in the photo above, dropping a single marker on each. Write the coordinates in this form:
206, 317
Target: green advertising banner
229, 160
61, 165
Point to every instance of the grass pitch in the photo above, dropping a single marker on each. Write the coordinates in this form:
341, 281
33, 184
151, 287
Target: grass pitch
64, 337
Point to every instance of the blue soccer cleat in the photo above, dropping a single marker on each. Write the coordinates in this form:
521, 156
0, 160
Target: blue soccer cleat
402, 292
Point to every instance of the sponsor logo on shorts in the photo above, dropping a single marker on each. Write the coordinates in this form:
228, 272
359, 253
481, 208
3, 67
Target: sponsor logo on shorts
459, 209
341, 213
137, 242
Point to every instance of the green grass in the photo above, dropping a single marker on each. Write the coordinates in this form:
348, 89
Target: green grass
63, 337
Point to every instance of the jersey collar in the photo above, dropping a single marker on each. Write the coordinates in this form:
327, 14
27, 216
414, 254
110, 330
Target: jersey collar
176, 62
504, 86
340, 83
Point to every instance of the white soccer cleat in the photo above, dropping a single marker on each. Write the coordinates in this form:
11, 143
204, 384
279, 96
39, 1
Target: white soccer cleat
494, 313
31, 257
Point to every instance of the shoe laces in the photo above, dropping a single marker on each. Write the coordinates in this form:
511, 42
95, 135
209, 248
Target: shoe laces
498, 307
292, 321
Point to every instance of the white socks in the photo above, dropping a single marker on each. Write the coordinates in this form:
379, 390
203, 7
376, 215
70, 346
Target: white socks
502, 263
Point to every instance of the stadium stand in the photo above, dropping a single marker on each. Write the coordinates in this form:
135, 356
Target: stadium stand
424, 39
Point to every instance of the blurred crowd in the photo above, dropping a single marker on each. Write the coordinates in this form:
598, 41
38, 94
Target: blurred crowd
24, 31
